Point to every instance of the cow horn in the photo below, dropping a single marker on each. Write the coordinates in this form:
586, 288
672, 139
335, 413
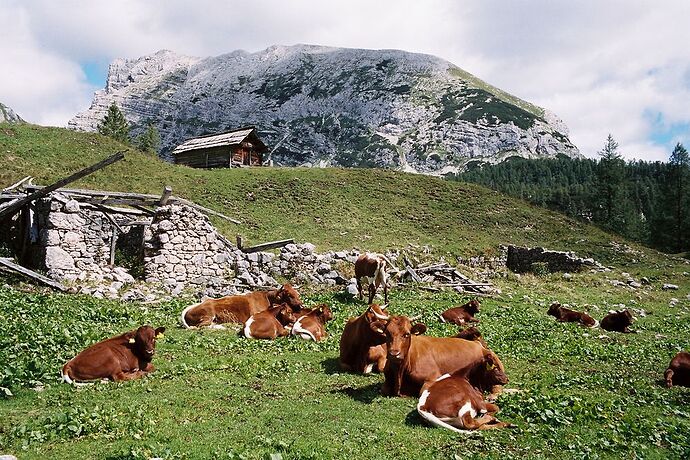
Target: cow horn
415, 318
379, 316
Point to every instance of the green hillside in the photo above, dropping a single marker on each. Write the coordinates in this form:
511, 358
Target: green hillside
579, 393
332, 208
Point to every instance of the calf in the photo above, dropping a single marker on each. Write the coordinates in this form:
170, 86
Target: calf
473, 334
237, 308
567, 315
362, 343
124, 357
462, 314
617, 321
270, 324
312, 326
678, 372
452, 402
414, 360
370, 270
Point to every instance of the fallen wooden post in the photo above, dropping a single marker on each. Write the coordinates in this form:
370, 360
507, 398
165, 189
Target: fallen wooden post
267, 246
17, 205
13, 267
17, 184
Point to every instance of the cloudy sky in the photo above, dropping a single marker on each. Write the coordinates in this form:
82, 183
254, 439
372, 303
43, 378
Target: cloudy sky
604, 66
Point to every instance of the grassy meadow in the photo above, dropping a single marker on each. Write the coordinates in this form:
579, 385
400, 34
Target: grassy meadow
582, 393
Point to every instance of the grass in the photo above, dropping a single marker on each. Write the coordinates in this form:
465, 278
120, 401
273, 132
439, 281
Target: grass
215, 395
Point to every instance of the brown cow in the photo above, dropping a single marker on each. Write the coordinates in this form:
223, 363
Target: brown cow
566, 315
452, 402
678, 372
124, 357
473, 334
462, 314
370, 270
270, 323
617, 321
414, 360
362, 343
237, 308
312, 325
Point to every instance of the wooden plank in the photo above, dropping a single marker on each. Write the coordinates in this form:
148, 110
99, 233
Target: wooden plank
204, 210
167, 192
267, 246
14, 207
101, 193
239, 241
113, 242
11, 266
17, 184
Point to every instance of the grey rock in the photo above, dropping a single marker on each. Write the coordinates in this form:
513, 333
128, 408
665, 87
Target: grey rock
669, 287
644, 280
71, 206
307, 248
323, 268
121, 275
57, 258
352, 290
291, 248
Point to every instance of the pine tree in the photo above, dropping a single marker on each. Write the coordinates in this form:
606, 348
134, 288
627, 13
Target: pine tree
114, 125
610, 177
150, 140
678, 198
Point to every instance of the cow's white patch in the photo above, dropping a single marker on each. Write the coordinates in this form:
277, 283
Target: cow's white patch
369, 367
66, 378
467, 407
443, 377
248, 328
216, 326
596, 323
431, 418
184, 312
300, 331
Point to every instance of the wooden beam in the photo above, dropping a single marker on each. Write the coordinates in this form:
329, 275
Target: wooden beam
266, 246
239, 241
167, 192
203, 209
14, 207
11, 266
17, 184
101, 193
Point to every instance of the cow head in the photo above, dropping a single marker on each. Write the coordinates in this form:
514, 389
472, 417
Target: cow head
555, 310
472, 307
145, 340
286, 315
324, 313
471, 333
289, 295
492, 371
399, 332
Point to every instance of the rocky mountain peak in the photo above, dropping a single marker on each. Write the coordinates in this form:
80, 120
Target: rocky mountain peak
332, 107
8, 115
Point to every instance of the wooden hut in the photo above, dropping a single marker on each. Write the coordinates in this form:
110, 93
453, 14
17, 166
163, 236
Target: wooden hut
240, 147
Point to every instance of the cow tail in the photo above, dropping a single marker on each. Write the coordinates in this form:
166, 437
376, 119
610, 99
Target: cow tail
596, 324
431, 418
183, 321
298, 330
440, 316
65, 373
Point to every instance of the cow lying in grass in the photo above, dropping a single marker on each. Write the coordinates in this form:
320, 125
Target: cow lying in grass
124, 357
312, 325
453, 403
270, 324
678, 372
238, 308
617, 321
462, 314
567, 315
362, 343
414, 360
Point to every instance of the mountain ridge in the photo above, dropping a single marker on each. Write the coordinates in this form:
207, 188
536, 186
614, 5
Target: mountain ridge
333, 107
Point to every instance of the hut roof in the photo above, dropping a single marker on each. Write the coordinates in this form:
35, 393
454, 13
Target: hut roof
234, 137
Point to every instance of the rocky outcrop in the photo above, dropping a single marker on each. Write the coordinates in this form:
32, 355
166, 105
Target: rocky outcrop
8, 115
332, 107
523, 260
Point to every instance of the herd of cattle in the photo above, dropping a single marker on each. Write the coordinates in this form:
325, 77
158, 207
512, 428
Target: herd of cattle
450, 375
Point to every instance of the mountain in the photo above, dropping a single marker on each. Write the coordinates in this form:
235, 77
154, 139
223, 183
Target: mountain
8, 115
327, 106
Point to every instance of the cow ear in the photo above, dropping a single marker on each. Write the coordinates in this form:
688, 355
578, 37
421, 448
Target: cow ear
159, 332
131, 340
490, 362
377, 326
418, 329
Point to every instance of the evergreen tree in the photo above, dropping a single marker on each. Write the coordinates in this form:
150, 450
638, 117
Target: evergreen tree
114, 125
150, 140
610, 177
675, 222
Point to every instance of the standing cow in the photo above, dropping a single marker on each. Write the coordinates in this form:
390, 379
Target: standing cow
124, 357
370, 270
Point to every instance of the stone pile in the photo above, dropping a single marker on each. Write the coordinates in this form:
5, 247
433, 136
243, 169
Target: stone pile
521, 260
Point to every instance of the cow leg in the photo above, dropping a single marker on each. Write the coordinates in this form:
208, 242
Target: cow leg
149, 368
121, 376
372, 293
668, 375
359, 288
496, 390
381, 364
385, 292
282, 332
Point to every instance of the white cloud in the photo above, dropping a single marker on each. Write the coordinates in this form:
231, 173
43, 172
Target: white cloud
604, 67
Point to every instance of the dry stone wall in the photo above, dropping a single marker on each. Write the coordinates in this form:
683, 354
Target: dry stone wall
521, 260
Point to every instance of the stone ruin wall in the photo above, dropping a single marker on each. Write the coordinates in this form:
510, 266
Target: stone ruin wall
520, 260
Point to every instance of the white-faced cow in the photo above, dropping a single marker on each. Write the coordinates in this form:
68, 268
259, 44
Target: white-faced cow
370, 271
124, 357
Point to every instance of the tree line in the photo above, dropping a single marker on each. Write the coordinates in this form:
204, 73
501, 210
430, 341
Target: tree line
648, 202
115, 125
